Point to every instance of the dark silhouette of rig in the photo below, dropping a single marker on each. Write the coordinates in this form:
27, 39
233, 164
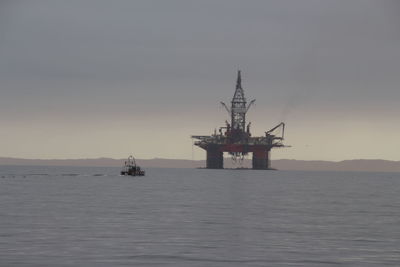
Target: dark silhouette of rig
235, 138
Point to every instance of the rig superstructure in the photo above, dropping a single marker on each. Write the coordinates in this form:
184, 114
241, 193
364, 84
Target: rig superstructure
235, 137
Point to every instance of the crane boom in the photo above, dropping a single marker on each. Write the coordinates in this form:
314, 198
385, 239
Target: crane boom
226, 107
282, 124
251, 103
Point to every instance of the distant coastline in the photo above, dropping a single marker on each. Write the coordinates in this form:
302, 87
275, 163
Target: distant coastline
369, 165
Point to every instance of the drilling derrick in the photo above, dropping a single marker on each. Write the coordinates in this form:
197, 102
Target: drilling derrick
235, 138
238, 109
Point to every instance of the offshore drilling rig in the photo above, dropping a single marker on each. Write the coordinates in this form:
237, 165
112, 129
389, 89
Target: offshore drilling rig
235, 137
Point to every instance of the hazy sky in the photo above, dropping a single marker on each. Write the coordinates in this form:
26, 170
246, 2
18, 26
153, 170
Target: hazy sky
94, 78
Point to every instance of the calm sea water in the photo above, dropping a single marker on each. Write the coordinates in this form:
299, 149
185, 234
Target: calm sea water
69, 216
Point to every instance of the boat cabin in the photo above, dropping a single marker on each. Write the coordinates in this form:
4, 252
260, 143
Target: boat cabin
130, 168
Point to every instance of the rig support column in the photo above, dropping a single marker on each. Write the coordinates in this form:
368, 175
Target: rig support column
261, 160
215, 159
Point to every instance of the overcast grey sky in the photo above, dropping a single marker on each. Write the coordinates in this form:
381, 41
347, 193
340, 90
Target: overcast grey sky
94, 78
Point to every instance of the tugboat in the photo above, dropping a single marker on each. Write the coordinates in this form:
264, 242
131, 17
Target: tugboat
130, 168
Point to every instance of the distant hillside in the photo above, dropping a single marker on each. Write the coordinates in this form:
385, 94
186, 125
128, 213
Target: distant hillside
368, 165
282, 164
108, 162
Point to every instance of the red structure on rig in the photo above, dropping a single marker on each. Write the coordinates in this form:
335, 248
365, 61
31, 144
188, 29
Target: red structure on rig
235, 138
